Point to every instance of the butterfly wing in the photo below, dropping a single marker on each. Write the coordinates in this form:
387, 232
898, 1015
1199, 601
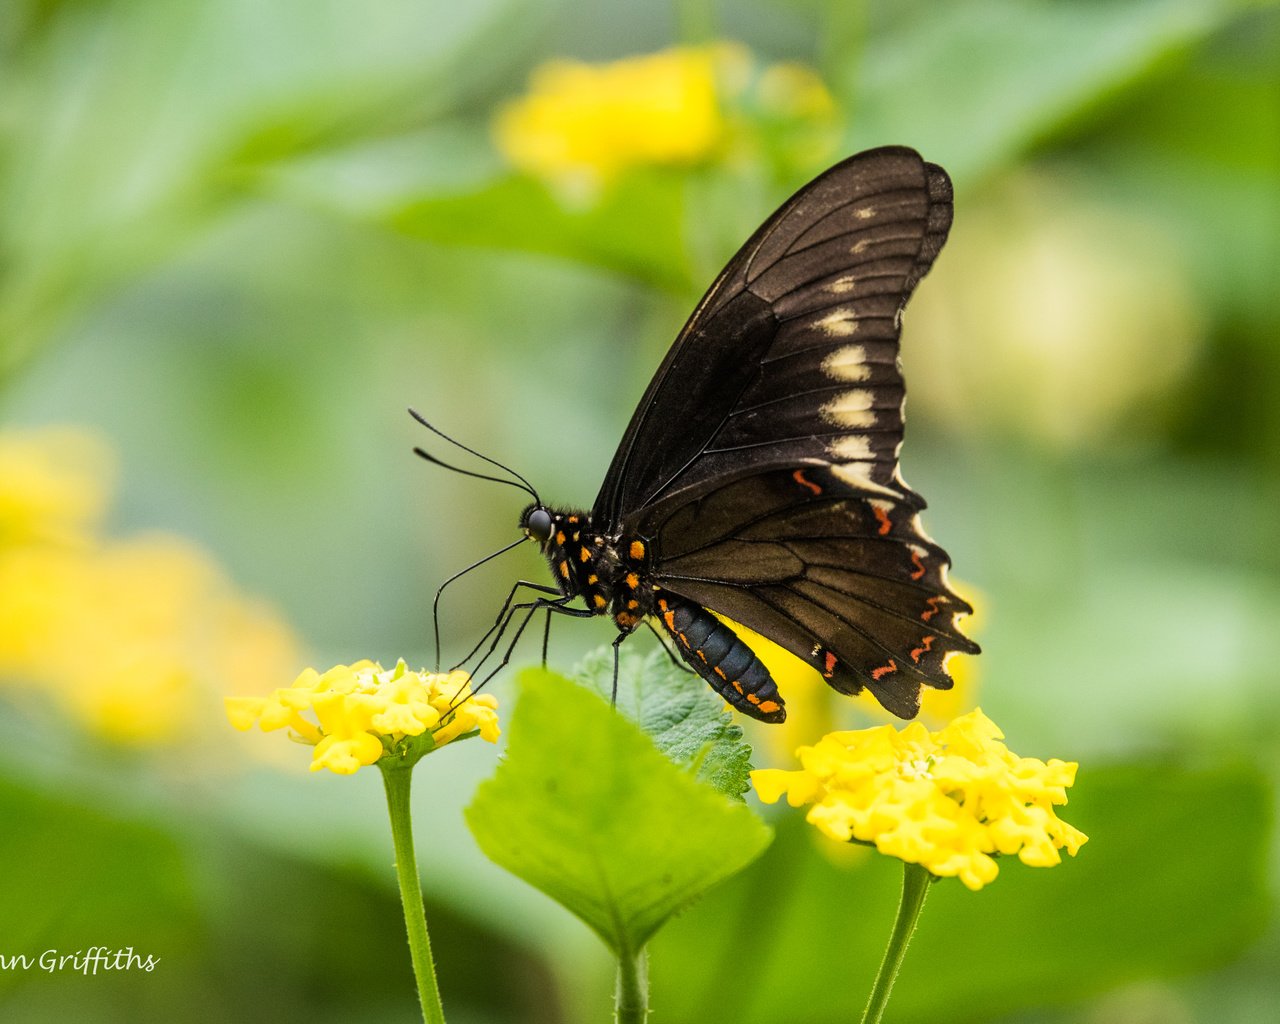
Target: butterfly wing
762, 461
793, 353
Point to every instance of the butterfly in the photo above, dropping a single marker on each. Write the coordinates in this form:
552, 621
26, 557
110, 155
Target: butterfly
758, 478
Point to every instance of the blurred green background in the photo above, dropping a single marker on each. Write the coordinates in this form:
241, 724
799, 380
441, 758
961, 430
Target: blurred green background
237, 239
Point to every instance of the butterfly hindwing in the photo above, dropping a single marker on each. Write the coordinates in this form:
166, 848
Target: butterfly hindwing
848, 583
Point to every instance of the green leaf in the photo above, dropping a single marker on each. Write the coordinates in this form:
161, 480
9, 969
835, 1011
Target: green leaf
678, 712
1012, 73
586, 809
635, 227
1173, 878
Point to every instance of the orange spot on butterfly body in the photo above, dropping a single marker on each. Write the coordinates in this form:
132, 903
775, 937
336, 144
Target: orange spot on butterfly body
769, 706
633, 581
637, 550
831, 666
564, 569
737, 686
720, 672
753, 698
879, 673
799, 477
599, 600
585, 555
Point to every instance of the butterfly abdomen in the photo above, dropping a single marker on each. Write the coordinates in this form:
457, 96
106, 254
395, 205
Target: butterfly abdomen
717, 654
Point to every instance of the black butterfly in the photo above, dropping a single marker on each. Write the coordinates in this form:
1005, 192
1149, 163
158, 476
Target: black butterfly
759, 475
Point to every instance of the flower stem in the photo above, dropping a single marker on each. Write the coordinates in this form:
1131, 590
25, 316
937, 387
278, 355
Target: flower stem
915, 886
632, 998
396, 779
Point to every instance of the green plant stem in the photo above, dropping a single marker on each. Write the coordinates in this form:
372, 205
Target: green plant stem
632, 998
396, 780
915, 886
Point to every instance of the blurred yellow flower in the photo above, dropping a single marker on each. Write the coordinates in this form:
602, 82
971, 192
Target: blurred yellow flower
53, 485
790, 89
581, 125
586, 122
128, 637
950, 801
362, 711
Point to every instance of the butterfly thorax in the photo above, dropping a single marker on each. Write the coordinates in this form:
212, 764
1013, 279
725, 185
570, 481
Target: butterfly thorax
608, 573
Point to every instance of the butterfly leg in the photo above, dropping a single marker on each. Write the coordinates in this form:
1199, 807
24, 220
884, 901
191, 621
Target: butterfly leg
529, 608
546, 638
617, 643
503, 613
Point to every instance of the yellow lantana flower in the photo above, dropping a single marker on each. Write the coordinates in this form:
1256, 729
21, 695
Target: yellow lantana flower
582, 125
355, 714
950, 800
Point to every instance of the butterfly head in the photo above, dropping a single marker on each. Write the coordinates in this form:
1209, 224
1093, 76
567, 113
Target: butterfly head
537, 524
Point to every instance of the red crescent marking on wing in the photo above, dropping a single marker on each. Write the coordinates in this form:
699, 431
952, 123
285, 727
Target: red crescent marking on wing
831, 666
883, 670
920, 569
931, 611
925, 644
883, 518
798, 477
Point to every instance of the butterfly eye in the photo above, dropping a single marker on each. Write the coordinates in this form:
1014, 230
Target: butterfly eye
537, 524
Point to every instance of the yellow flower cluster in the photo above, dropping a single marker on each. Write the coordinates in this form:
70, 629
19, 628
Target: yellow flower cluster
362, 711
123, 636
949, 800
580, 125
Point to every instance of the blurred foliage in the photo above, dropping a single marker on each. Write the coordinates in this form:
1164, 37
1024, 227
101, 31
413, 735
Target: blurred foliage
237, 239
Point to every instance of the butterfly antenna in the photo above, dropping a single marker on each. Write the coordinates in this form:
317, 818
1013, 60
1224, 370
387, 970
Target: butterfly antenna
423, 454
435, 605
493, 462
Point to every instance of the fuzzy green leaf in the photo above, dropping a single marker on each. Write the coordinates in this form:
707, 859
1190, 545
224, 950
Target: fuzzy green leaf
586, 809
681, 715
